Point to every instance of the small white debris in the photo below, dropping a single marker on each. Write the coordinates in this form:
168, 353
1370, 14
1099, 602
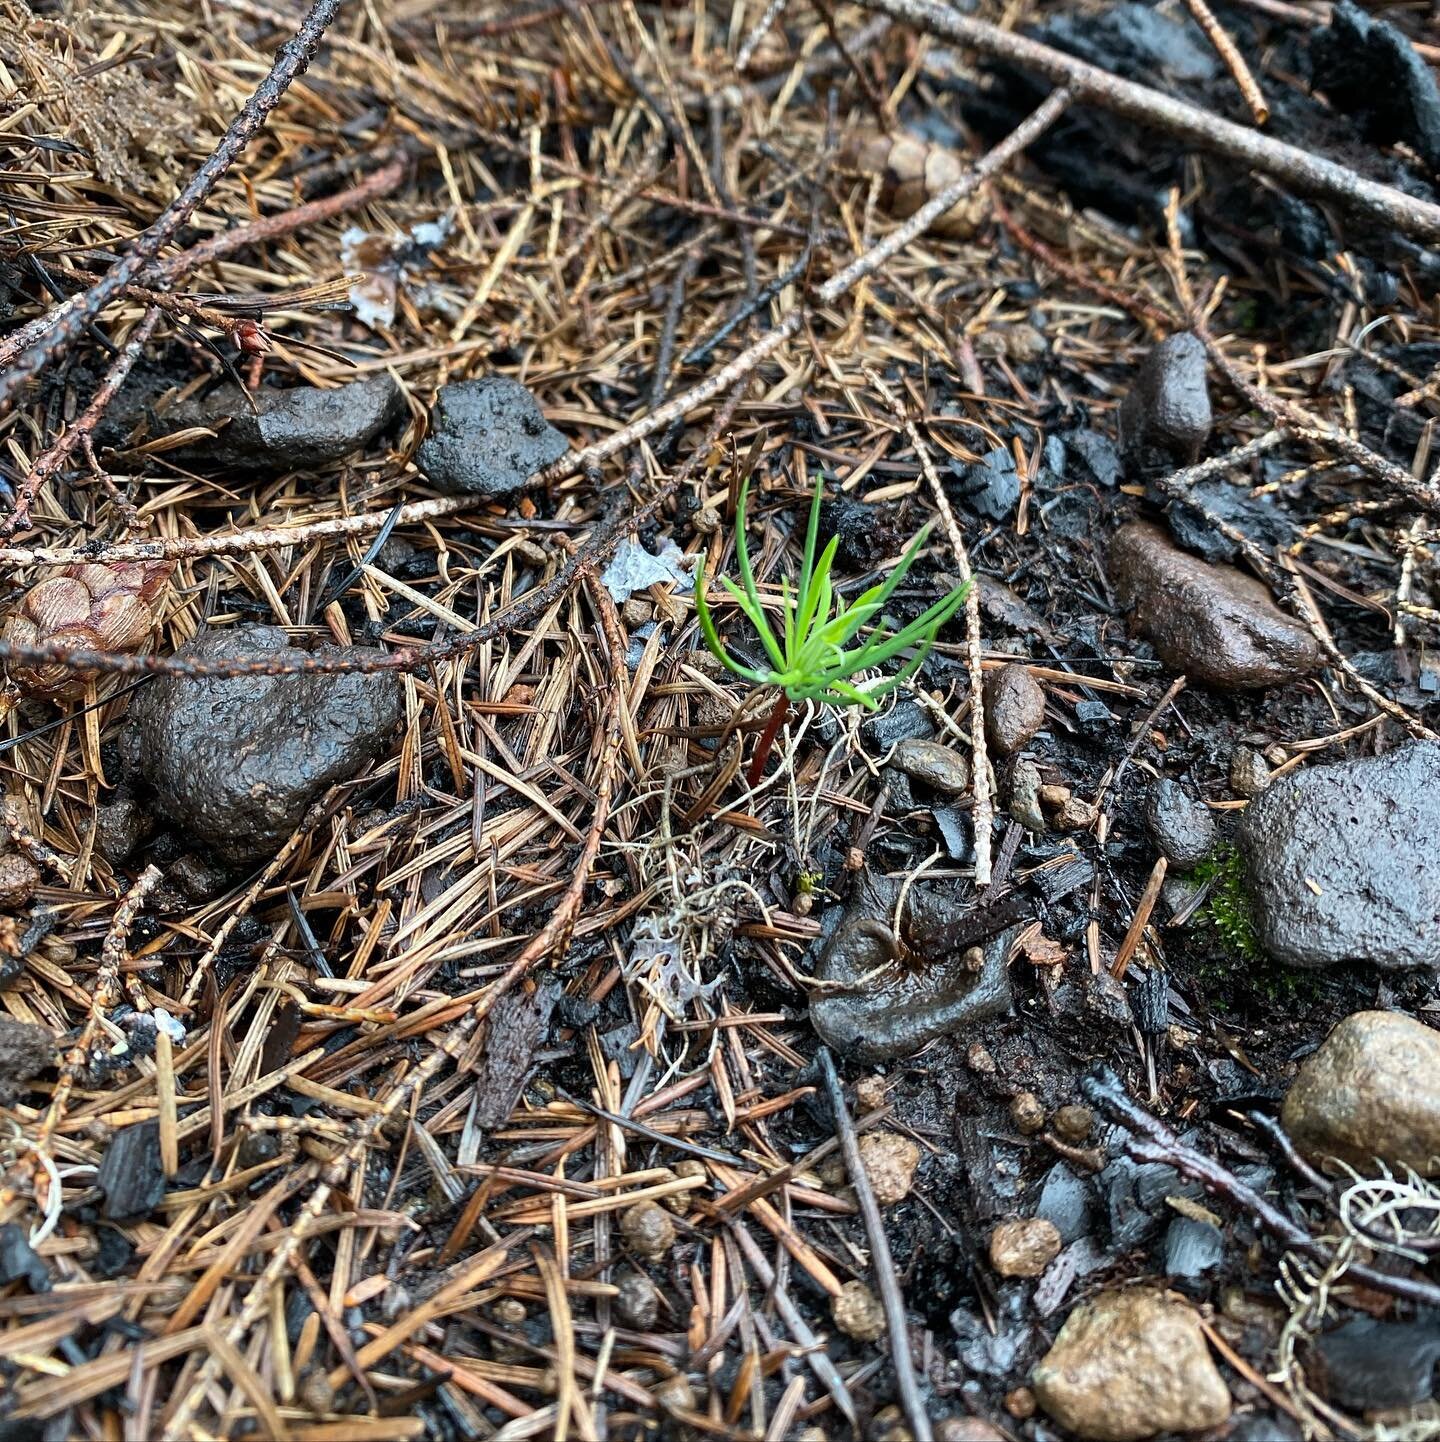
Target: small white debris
172, 1026
633, 568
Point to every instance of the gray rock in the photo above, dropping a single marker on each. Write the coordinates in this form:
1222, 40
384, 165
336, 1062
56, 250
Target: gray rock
1014, 708
288, 430
1192, 1248
120, 826
1214, 623
487, 438
1025, 795
1366, 1365
1180, 825
1165, 417
25, 1050
236, 760
1341, 861
933, 765
1371, 1092
1065, 1201
903, 1009
1249, 772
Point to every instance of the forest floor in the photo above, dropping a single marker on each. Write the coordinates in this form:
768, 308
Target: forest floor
430, 1007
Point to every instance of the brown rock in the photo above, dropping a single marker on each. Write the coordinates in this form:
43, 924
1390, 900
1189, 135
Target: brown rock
1214, 623
647, 1230
1128, 1364
1249, 772
932, 765
858, 1313
1014, 708
1024, 1248
890, 1161
1073, 1123
1027, 1113
967, 1429
1371, 1092
18, 880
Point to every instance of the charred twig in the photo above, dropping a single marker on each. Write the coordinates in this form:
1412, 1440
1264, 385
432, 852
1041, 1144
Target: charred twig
1153, 1141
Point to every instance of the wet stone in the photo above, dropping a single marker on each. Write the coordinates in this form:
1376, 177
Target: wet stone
1014, 708
487, 438
1025, 796
1249, 772
1065, 1203
236, 760
1128, 1364
908, 1006
889, 1161
288, 430
1180, 826
19, 877
933, 765
130, 1174
1370, 1093
120, 826
1367, 1365
25, 1051
1340, 861
1165, 416
1098, 459
1213, 623
858, 1313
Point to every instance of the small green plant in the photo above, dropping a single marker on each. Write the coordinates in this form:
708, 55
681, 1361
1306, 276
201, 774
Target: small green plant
815, 660
1228, 908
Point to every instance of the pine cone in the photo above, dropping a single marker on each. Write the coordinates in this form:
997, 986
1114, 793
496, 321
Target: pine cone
90, 607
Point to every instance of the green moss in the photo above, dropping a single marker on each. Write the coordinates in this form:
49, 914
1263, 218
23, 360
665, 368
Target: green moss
1228, 908
1231, 918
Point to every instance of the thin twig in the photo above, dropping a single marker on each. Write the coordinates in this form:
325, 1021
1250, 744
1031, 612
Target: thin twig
881, 1262
1229, 52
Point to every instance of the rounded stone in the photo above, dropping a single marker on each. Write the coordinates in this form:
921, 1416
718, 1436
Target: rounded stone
932, 765
1024, 1248
858, 1313
1370, 1093
1027, 1113
1340, 861
1214, 623
647, 1230
890, 1161
1181, 827
637, 1302
1128, 1364
1014, 708
1073, 1123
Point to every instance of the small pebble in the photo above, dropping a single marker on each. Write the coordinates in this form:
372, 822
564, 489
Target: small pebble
1027, 1113
890, 1161
889, 1425
1249, 772
1181, 826
1075, 814
1165, 417
932, 765
1024, 1248
18, 880
637, 1303
1072, 1123
979, 1060
1020, 1403
679, 1202
1014, 708
967, 1429
870, 1094
647, 1230
1025, 796
25, 1051
675, 1394
316, 1394
858, 1313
